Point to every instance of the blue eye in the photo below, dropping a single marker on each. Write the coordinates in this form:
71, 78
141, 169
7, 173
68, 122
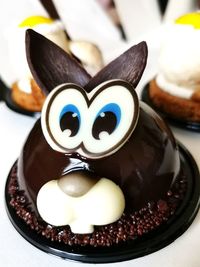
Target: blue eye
107, 120
70, 119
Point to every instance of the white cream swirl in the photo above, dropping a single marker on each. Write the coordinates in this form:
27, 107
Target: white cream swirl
179, 61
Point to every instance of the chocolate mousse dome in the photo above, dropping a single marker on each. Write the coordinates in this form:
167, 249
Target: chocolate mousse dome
144, 167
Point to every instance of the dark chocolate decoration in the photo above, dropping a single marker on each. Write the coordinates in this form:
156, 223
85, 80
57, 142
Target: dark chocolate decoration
163, 5
3, 90
50, 65
129, 67
49, 6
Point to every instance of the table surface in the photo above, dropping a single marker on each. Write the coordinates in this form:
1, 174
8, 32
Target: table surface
16, 251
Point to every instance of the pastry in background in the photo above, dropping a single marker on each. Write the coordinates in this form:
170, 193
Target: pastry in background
88, 54
176, 88
25, 91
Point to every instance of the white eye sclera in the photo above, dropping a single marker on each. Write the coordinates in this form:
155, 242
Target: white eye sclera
62, 122
94, 125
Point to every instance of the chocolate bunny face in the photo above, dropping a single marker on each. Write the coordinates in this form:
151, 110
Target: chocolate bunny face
101, 131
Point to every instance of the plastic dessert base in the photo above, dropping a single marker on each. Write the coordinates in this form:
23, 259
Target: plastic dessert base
184, 124
148, 243
5, 95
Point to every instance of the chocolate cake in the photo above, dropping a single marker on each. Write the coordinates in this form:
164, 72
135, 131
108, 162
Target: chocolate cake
100, 168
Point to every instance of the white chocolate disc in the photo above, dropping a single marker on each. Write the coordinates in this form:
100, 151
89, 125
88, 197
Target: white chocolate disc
94, 125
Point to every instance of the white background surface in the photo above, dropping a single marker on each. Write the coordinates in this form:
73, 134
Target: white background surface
16, 251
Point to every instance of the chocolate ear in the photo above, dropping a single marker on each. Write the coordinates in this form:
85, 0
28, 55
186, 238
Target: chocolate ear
50, 65
129, 67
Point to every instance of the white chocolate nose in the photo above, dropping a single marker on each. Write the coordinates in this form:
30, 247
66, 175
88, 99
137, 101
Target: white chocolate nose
103, 204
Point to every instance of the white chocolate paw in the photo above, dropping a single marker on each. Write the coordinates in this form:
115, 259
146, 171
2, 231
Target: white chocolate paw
54, 205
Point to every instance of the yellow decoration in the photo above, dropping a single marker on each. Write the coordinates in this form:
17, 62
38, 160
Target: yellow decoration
35, 20
190, 19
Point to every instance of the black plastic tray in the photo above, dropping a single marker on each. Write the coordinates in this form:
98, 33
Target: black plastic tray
180, 123
5, 95
149, 243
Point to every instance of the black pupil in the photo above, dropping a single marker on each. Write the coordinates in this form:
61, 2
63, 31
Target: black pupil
105, 122
70, 121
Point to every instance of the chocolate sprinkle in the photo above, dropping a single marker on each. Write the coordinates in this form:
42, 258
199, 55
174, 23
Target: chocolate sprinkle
129, 227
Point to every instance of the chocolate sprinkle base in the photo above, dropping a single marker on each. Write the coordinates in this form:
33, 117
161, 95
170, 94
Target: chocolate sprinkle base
130, 226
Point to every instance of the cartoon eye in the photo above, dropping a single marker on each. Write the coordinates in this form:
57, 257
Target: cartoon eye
113, 115
95, 124
62, 117
70, 120
107, 120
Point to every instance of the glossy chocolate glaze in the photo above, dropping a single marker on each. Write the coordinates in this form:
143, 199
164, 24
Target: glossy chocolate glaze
145, 167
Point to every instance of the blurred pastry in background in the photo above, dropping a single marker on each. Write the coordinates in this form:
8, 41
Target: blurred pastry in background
25, 92
176, 88
88, 54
